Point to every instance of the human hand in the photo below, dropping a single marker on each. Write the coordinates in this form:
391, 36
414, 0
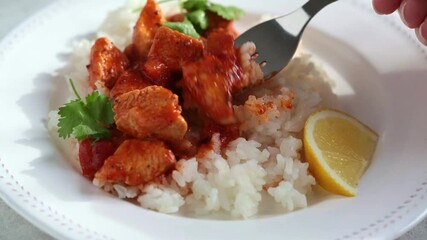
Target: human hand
412, 12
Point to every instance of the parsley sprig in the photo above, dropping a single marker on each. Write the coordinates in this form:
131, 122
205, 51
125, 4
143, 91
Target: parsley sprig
185, 27
196, 15
86, 119
227, 12
196, 20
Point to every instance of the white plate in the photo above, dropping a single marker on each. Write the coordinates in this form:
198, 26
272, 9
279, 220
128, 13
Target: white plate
380, 71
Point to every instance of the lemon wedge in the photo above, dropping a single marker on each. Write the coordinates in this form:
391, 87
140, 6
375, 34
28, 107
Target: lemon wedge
338, 149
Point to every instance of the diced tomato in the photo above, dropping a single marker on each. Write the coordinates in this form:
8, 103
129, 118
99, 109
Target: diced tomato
92, 155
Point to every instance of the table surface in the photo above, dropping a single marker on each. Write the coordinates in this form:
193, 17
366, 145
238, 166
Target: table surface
12, 225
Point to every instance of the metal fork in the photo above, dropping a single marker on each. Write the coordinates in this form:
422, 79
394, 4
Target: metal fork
276, 40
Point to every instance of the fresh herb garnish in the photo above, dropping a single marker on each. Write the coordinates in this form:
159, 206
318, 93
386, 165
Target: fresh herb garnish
196, 19
194, 5
196, 12
226, 12
184, 27
83, 120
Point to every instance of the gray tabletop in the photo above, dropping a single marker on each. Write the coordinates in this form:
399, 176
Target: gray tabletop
13, 226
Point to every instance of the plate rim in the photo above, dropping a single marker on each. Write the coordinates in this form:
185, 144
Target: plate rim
35, 20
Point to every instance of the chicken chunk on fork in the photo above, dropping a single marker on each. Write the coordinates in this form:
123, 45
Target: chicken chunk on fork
137, 162
150, 112
107, 63
210, 81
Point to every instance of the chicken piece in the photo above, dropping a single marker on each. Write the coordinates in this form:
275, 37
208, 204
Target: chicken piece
209, 82
221, 44
128, 81
137, 162
173, 132
150, 112
158, 73
150, 20
107, 63
170, 50
174, 48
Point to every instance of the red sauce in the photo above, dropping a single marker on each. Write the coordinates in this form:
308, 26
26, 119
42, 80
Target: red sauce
227, 133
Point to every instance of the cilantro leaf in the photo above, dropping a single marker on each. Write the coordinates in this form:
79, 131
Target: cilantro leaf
226, 12
90, 119
71, 115
184, 27
199, 19
100, 107
94, 131
194, 5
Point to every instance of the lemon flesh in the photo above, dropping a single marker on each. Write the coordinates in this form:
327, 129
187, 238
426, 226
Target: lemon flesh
338, 149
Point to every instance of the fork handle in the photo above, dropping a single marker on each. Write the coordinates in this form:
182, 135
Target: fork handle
295, 22
312, 7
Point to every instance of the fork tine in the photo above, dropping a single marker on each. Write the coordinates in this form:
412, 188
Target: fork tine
272, 49
276, 40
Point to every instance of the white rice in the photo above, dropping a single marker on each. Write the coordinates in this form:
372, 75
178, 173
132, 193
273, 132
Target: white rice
268, 160
161, 198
